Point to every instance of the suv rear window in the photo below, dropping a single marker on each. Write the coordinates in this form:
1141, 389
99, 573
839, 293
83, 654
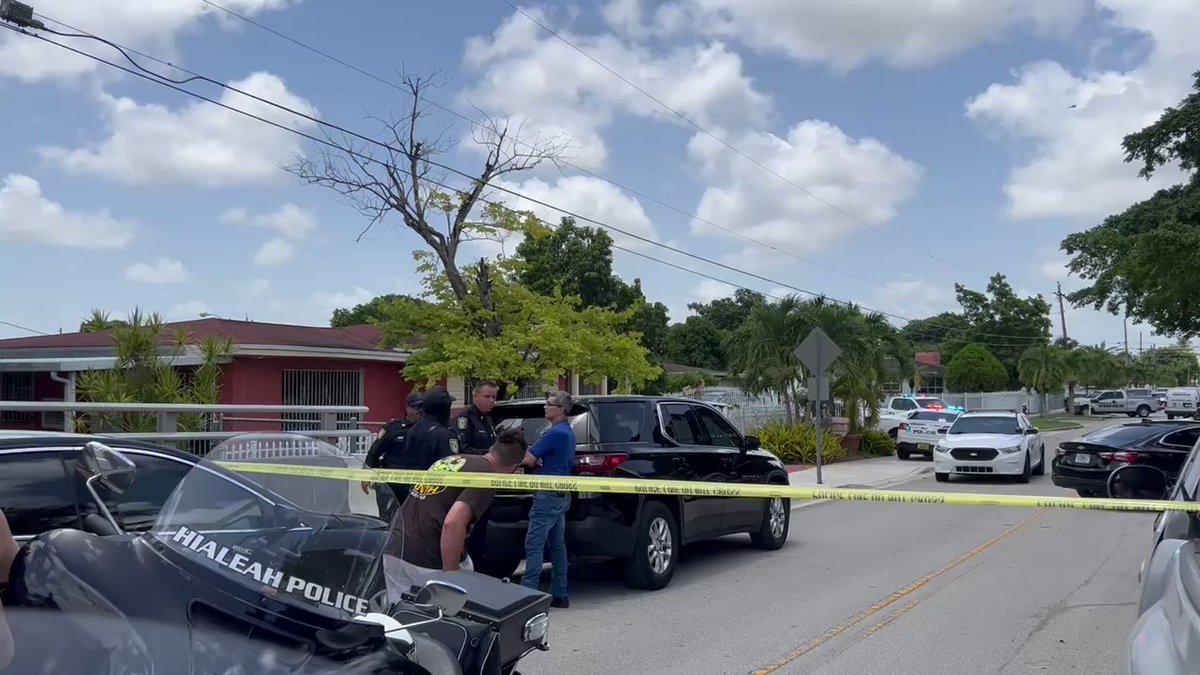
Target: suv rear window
620, 422
531, 419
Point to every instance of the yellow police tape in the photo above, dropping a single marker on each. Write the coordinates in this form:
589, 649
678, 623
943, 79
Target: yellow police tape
639, 486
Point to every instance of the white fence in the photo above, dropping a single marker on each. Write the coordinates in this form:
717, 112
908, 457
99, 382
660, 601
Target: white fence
339, 425
1007, 400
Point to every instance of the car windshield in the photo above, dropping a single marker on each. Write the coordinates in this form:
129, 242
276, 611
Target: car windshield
983, 424
282, 530
935, 416
1120, 436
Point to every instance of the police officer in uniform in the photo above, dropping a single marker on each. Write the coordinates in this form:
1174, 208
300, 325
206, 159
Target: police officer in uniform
431, 439
474, 426
476, 435
386, 453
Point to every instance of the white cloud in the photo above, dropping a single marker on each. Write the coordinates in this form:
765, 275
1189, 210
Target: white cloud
913, 298
1054, 267
198, 145
1076, 122
275, 252
862, 177
849, 34
27, 216
289, 220
327, 302
534, 78
257, 288
185, 311
148, 25
161, 271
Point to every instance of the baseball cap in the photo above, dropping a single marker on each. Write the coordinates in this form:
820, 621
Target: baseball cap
414, 400
437, 395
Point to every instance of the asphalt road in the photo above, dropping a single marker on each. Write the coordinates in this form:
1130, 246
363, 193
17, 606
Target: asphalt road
871, 588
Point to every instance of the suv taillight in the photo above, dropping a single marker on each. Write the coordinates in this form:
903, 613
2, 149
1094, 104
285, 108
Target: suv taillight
903, 426
601, 464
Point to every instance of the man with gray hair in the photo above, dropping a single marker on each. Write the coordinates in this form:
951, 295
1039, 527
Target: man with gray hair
552, 455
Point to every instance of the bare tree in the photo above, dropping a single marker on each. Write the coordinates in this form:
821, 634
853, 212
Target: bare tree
400, 174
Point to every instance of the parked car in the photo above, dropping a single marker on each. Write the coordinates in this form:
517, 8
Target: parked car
1139, 402
897, 409
1163, 639
1083, 464
921, 431
41, 486
644, 437
990, 443
1182, 402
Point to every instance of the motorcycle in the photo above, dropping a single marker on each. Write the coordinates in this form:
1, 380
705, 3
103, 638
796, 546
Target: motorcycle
252, 572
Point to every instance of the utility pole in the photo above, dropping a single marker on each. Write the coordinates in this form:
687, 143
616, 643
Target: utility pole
1126, 339
1062, 313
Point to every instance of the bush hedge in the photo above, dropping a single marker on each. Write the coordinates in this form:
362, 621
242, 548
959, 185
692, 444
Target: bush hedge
876, 443
797, 444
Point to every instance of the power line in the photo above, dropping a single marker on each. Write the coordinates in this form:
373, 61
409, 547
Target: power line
476, 123
713, 136
24, 328
153, 77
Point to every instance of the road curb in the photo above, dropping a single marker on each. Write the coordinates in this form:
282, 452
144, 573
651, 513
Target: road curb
875, 485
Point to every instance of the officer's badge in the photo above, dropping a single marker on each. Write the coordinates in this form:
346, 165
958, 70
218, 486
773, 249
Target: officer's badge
462, 423
454, 445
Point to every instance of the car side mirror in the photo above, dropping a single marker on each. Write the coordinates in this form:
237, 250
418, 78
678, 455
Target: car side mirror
1138, 481
751, 443
114, 470
943, 430
448, 598
1032, 431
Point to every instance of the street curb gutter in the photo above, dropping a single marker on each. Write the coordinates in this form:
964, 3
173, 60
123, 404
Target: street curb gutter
889, 482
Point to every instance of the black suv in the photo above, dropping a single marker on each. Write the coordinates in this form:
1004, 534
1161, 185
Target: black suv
644, 437
1083, 464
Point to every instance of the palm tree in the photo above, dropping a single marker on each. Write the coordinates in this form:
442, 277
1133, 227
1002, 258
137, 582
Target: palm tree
760, 350
144, 372
1043, 368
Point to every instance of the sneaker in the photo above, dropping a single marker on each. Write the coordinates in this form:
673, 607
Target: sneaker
560, 603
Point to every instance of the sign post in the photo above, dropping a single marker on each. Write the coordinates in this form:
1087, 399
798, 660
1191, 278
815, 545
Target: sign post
817, 352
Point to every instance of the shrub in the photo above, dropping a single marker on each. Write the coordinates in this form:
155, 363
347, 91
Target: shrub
797, 444
876, 444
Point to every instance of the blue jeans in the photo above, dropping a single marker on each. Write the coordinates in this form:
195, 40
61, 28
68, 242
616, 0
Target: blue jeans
547, 526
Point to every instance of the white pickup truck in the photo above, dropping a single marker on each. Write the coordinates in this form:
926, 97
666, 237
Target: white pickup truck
1139, 402
897, 409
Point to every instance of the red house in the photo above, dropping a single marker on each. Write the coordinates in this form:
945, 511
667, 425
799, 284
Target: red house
272, 364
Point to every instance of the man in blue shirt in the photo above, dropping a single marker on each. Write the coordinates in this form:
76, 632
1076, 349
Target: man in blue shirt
552, 455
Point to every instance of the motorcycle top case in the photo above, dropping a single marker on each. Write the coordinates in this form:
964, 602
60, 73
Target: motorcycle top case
508, 608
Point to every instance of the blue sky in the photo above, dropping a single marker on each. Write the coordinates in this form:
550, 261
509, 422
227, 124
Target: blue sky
938, 139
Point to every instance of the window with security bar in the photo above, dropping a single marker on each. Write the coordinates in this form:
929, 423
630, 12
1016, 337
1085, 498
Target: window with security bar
16, 387
321, 388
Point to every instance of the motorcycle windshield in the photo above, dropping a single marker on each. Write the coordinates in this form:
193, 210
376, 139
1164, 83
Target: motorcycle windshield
267, 512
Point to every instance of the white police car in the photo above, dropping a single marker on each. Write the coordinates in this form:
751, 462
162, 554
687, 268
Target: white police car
990, 443
921, 431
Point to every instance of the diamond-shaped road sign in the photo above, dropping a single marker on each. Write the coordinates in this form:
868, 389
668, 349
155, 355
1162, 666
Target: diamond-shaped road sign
818, 351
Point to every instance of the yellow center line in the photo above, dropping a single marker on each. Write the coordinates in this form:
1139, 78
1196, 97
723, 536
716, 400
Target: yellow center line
890, 600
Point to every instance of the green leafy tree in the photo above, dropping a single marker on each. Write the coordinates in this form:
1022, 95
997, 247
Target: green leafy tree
696, 342
99, 321
974, 368
1024, 322
575, 260
537, 339
728, 314
1145, 261
372, 311
931, 333
145, 372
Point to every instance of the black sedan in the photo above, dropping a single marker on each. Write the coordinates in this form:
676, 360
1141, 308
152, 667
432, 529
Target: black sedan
1084, 463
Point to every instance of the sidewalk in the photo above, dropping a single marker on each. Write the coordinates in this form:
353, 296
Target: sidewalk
876, 472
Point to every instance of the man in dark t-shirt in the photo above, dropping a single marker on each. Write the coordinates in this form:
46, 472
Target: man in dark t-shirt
429, 532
